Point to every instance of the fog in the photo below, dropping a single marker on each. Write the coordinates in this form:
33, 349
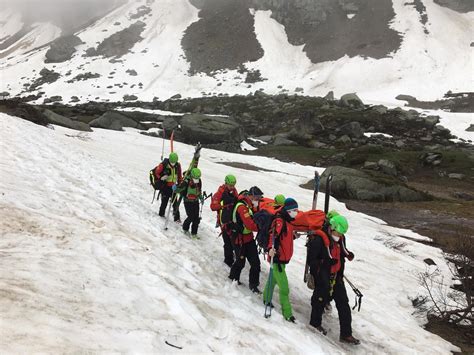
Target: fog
70, 15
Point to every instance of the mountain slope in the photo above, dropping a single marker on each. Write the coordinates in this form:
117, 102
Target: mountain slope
431, 55
86, 265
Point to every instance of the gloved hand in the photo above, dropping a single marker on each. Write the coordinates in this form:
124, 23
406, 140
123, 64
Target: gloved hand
174, 187
164, 177
272, 252
350, 256
201, 198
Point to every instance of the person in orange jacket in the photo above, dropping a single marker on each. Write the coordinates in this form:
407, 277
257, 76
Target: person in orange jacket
223, 202
280, 248
243, 241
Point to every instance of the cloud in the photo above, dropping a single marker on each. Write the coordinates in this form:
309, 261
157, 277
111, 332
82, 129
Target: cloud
67, 14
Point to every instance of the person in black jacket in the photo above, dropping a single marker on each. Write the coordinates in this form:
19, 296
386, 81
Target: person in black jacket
326, 258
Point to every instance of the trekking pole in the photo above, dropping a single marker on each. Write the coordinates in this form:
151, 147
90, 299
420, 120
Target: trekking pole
153, 200
268, 287
205, 197
172, 201
359, 295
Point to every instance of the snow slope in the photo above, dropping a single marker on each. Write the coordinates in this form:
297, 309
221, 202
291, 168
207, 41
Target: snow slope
426, 65
85, 265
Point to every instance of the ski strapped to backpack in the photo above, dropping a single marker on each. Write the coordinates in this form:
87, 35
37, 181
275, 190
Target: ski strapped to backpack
317, 180
174, 197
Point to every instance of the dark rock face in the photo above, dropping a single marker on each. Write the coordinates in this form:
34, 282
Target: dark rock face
358, 185
121, 42
470, 128
328, 34
223, 38
457, 5
62, 49
210, 129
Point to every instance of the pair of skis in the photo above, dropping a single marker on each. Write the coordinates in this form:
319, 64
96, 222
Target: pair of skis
174, 197
317, 180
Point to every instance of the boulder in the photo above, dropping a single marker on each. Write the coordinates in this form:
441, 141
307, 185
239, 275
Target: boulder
351, 100
431, 121
407, 98
59, 120
210, 129
169, 124
430, 158
352, 129
355, 184
4, 95
344, 140
329, 96
282, 139
388, 167
130, 98
113, 120
371, 165
470, 128
380, 109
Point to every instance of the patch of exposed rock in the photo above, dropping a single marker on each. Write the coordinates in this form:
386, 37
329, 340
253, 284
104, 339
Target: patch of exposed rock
46, 77
62, 49
120, 43
357, 185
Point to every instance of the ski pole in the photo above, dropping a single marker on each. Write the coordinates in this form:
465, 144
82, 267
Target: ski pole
268, 288
359, 295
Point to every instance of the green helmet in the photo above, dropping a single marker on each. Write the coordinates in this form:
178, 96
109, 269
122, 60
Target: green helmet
195, 173
331, 214
339, 224
173, 158
230, 180
280, 200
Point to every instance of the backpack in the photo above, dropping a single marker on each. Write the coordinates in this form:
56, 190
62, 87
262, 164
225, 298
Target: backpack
156, 181
225, 215
264, 220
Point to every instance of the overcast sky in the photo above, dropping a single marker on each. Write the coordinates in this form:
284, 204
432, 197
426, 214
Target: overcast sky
67, 14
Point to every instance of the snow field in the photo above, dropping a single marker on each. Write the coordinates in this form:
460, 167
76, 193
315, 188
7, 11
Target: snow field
86, 266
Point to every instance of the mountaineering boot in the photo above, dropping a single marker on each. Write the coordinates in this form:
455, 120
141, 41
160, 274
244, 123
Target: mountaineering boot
234, 280
256, 290
349, 340
195, 236
291, 319
186, 232
322, 330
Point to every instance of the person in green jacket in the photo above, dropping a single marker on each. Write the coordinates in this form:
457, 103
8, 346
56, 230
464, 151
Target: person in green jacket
191, 189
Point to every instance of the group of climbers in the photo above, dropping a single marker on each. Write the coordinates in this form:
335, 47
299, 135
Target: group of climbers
236, 217
168, 179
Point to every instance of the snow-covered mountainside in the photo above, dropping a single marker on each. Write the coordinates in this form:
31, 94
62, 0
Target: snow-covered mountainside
86, 265
159, 48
